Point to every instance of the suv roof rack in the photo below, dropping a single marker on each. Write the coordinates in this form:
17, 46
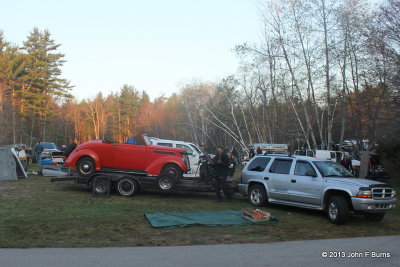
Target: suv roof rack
278, 155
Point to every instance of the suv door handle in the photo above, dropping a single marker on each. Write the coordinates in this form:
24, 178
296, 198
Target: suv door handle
293, 181
266, 178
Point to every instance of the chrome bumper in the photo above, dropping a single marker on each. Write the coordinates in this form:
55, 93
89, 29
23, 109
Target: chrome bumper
373, 205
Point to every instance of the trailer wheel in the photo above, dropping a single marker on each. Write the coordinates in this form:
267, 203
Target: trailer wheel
169, 176
126, 186
101, 186
86, 166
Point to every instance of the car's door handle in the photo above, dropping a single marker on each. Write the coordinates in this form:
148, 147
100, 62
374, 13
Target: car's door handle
266, 178
293, 181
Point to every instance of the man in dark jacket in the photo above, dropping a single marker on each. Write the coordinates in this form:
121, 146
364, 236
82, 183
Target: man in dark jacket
221, 165
38, 152
346, 162
252, 153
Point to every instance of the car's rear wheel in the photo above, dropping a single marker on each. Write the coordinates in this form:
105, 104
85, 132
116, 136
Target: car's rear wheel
126, 186
337, 210
257, 195
168, 178
86, 166
374, 217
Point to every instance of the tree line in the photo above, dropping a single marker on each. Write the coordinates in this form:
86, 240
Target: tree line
324, 72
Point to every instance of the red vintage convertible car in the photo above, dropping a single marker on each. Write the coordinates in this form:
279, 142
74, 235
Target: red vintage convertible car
165, 163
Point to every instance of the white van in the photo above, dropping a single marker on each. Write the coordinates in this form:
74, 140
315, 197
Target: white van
192, 150
271, 148
324, 154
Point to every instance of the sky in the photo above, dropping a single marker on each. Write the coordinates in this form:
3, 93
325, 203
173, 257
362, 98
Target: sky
155, 45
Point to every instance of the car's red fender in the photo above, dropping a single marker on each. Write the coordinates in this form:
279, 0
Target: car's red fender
155, 167
76, 155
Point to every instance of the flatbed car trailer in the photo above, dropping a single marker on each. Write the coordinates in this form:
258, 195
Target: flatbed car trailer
127, 184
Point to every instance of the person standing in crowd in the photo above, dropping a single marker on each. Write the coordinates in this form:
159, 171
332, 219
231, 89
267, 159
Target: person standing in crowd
303, 152
34, 159
259, 151
221, 165
235, 155
346, 162
38, 152
251, 152
232, 166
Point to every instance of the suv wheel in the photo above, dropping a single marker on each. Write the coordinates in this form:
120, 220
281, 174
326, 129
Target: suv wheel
374, 217
337, 210
257, 195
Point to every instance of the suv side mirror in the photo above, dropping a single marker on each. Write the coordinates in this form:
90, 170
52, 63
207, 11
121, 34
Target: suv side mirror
311, 173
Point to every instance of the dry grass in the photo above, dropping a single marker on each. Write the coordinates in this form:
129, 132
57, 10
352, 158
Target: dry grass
37, 213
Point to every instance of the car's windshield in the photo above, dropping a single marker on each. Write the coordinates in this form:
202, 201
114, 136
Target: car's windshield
330, 168
47, 145
195, 148
146, 140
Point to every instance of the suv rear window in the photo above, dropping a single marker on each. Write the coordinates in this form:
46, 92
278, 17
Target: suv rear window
281, 166
258, 164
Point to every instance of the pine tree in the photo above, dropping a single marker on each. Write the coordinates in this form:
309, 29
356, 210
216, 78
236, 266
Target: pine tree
43, 80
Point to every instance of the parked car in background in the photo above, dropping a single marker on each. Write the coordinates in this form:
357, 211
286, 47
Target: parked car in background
49, 149
192, 150
165, 164
314, 183
271, 148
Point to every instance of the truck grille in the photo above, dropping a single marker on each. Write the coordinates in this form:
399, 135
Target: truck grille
382, 206
382, 193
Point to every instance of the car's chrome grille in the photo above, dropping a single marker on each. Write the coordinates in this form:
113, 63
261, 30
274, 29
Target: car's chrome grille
382, 193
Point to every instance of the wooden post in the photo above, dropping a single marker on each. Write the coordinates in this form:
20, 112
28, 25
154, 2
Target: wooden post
364, 164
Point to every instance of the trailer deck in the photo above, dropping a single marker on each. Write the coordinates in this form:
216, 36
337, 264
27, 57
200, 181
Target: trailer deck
144, 182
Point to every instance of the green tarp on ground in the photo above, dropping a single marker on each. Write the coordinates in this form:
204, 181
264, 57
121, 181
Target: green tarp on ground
207, 218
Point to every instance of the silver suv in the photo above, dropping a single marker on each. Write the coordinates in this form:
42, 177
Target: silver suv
315, 184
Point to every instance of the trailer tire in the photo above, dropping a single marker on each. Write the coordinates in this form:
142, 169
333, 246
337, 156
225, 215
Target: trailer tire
126, 186
101, 186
